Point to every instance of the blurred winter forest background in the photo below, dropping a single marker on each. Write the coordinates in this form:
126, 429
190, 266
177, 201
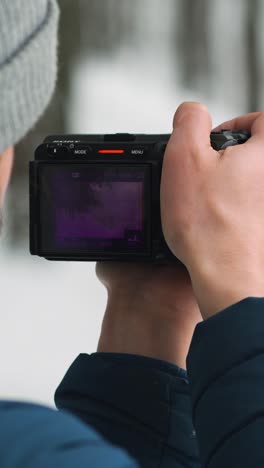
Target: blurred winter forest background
124, 66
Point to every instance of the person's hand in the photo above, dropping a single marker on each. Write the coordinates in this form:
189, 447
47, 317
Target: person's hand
212, 206
151, 310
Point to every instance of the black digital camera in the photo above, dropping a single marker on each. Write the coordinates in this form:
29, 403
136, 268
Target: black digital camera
97, 197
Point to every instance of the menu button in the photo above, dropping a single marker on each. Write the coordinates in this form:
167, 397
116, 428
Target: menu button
137, 151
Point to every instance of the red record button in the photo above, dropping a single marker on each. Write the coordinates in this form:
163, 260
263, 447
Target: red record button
111, 151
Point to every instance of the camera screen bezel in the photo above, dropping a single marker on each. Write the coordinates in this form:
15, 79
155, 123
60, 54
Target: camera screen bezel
86, 254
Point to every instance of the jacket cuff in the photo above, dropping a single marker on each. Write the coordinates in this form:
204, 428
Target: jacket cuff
226, 373
147, 391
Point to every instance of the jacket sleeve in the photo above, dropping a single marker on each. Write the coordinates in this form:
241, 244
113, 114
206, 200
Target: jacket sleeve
226, 370
33, 436
138, 403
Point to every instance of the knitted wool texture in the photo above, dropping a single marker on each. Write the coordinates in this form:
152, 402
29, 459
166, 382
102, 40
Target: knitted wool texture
28, 64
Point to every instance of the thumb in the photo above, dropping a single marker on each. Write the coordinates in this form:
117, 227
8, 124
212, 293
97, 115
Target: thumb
190, 141
192, 125
188, 153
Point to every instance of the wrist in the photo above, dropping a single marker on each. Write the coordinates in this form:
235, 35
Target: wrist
226, 288
137, 327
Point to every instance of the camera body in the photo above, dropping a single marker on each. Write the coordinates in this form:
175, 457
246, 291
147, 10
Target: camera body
97, 197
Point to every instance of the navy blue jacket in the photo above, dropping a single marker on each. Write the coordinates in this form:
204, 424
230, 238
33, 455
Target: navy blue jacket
127, 411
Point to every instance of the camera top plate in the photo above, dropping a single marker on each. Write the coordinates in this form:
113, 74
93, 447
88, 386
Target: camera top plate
224, 136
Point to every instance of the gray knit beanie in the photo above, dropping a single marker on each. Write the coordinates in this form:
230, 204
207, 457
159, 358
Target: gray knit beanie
28, 64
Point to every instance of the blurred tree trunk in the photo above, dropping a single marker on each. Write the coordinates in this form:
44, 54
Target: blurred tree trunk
106, 24
53, 121
254, 80
192, 35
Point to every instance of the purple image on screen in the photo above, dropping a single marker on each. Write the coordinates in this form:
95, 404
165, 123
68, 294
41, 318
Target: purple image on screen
102, 208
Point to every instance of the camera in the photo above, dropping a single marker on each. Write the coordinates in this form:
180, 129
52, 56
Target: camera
97, 197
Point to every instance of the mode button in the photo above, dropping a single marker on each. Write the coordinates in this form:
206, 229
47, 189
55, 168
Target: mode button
81, 150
